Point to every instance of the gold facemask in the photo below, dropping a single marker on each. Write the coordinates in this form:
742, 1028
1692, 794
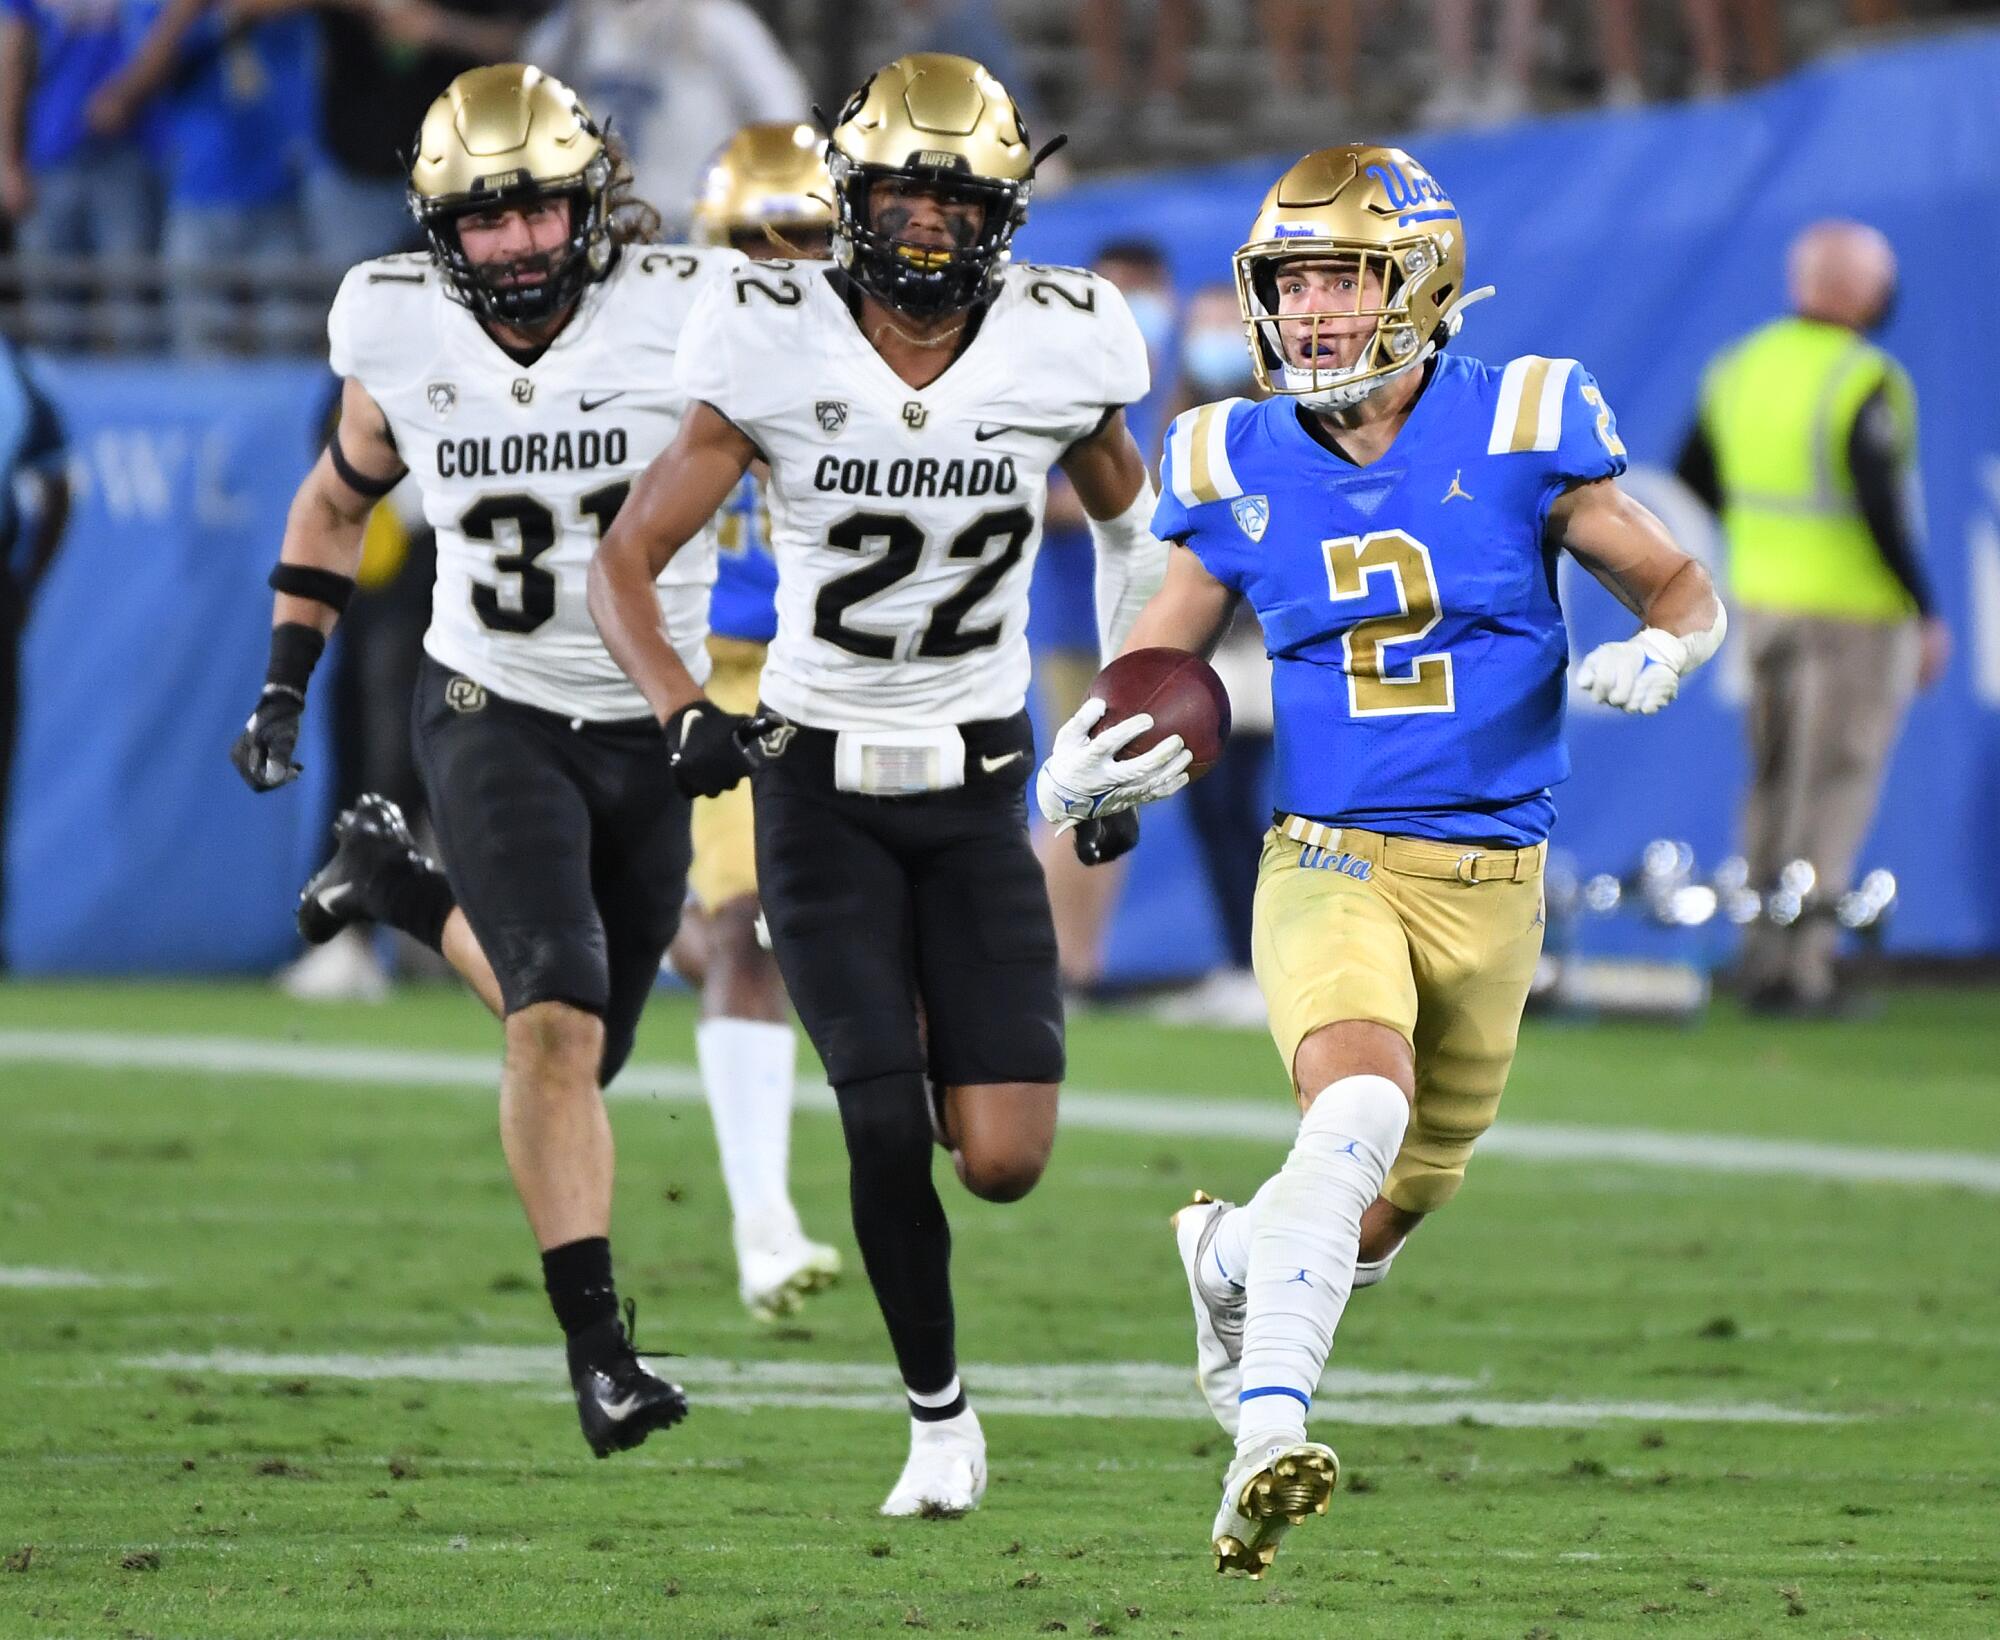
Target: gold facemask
1379, 219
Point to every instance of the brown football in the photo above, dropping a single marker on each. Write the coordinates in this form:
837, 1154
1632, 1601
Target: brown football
1179, 690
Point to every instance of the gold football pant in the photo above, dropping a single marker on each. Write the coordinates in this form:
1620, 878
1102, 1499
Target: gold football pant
725, 845
1437, 941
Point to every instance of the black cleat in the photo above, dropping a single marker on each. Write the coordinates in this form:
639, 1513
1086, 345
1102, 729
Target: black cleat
619, 1399
372, 843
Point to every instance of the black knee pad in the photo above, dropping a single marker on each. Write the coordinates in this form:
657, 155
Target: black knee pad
887, 1124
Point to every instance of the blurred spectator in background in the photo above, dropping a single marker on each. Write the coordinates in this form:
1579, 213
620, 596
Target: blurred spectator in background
381, 62
1309, 95
1062, 602
34, 506
672, 78
965, 28
1806, 445
1230, 806
234, 101
1116, 68
69, 191
1718, 30
1467, 94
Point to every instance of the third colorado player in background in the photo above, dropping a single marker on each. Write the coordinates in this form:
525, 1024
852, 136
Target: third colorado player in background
767, 195
910, 400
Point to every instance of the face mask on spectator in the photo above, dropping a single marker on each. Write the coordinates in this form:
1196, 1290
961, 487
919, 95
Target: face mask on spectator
1153, 313
1215, 358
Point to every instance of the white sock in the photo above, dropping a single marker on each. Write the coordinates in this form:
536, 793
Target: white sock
1227, 1267
1369, 1271
1303, 1249
747, 1073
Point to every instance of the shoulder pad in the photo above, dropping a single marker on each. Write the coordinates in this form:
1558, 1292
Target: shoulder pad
1198, 467
1527, 413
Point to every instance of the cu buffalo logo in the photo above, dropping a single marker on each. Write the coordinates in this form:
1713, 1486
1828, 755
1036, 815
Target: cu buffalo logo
463, 695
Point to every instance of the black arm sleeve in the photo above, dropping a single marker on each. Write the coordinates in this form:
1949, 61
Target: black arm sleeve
1696, 468
1876, 460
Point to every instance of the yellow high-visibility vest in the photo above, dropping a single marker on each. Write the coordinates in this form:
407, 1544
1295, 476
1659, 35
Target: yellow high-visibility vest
1779, 408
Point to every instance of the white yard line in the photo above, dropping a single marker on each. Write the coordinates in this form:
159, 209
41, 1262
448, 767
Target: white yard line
1105, 1389
36, 1275
1163, 1114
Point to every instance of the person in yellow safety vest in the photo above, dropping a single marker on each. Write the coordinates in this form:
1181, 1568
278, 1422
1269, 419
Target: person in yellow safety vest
1805, 444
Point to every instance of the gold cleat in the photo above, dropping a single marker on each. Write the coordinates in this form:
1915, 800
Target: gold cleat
1265, 1497
777, 1282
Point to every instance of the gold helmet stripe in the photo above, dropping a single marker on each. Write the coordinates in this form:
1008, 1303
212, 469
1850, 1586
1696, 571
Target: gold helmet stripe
1528, 415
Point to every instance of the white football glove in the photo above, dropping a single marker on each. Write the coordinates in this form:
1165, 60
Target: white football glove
1640, 674
1085, 777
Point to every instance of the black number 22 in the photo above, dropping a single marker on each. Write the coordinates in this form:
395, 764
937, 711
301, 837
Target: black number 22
945, 634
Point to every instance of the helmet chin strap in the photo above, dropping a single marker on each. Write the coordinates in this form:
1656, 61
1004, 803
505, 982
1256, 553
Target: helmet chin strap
1454, 316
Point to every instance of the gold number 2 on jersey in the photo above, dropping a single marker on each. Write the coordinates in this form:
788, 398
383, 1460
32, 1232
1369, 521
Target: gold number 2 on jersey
1423, 683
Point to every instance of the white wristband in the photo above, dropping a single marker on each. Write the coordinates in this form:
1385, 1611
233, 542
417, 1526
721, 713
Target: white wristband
1131, 565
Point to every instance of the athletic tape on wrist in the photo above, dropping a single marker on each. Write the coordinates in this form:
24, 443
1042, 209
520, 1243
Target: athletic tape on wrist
295, 651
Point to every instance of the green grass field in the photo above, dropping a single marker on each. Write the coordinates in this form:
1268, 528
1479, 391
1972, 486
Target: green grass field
313, 1389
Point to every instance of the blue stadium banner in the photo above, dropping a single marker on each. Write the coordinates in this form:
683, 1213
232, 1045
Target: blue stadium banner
133, 846
1640, 244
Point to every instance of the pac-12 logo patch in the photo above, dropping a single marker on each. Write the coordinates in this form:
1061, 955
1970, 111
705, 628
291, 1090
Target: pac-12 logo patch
832, 416
1253, 515
443, 397
463, 695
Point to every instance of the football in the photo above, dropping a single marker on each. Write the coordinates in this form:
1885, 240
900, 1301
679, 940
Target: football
1179, 690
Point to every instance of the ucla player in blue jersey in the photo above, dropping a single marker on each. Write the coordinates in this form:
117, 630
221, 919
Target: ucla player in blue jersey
767, 194
1392, 513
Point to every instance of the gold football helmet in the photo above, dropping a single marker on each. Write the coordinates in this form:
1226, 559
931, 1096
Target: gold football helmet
767, 188
506, 136
944, 123
1380, 213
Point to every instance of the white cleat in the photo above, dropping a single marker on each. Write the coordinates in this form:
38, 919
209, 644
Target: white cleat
1218, 1323
946, 1473
342, 970
1264, 1495
777, 1274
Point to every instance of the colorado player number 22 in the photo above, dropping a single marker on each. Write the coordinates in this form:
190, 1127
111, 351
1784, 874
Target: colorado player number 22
945, 634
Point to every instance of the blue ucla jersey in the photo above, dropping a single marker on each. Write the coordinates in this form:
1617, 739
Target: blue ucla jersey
1418, 652
744, 604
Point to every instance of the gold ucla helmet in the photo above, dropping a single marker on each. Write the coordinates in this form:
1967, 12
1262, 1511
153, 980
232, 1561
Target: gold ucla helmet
1380, 211
766, 188
501, 137
942, 122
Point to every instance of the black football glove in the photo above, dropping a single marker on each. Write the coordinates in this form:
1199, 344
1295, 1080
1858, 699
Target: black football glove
263, 752
1100, 841
710, 750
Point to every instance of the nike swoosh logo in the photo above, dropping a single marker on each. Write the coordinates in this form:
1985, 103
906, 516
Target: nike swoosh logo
586, 403
989, 764
330, 899
618, 1411
982, 434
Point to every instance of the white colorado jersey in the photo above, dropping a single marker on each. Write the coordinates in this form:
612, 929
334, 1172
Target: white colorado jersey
523, 467
905, 520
